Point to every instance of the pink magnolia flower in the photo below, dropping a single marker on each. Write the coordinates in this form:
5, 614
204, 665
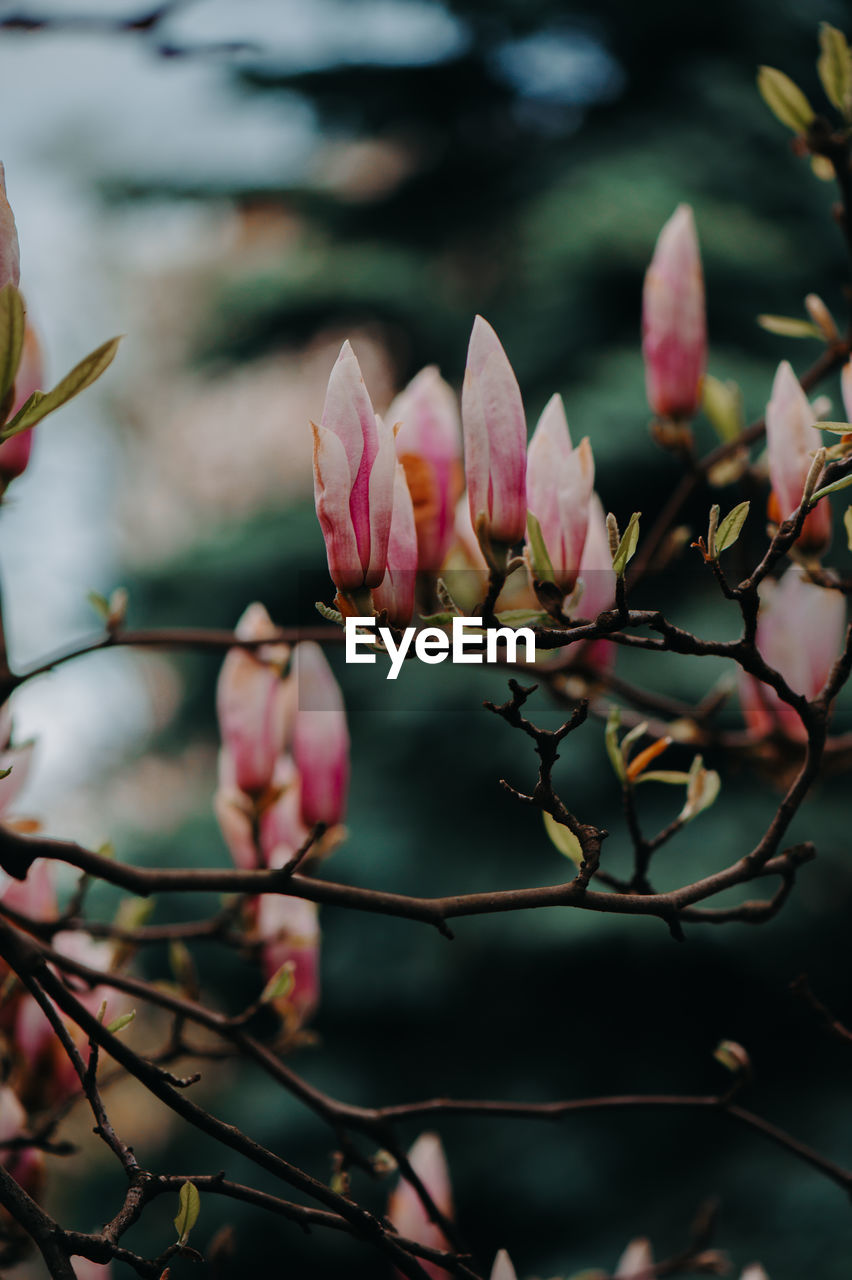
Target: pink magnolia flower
674, 328
405, 1209
560, 480
15, 453
397, 588
354, 461
252, 703
637, 1262
428, 444
10, 255
799, 633
289, 931
791, 441
503, 1269
320, 738
495, 437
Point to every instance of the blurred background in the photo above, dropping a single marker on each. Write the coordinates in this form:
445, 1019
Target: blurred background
236, 187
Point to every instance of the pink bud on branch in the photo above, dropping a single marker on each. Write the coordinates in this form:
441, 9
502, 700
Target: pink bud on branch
559, 481
791, 441
320, 738
428, 444
252, 703
799, 633
354, 460
495, 438
405, 1208
674, 327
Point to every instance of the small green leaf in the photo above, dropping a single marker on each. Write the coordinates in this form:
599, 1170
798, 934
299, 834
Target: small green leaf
99, 603
132, 913
730, 528
843, 483
785, 99
330, 615
563, 839
81, 376
674, 777
4, 773
613, 750
638, 731
835, 67
723, 404
836, 428
13, 322
790, 327
438, 619
702, 790
542, 566
190, 1207
182, 965
280, 984
627, 545
120, 1023
847, 525
523, 617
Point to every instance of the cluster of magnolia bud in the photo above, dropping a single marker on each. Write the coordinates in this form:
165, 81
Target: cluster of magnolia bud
283, 781
390, 497
412, 1220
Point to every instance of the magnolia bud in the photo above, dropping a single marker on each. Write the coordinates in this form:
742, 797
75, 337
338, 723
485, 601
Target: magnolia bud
495, 439
674, 328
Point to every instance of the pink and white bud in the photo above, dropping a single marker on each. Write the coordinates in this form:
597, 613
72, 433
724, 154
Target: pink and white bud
15, 453
495, 439
800, 633
320, 738
10, 255
26, 1164
428, 444
397, 589
290, 934
405, 1208
354, 460
792, 440
754, 1272
560, 480
503, 1269
252, 703
674, 326
85, 1269
637, 1262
